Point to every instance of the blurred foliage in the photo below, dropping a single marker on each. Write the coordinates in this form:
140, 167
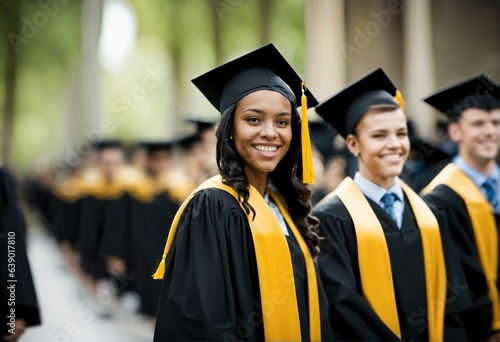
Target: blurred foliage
176, 36
48, 48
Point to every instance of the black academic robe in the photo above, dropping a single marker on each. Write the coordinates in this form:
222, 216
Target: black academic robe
135, 231
418, 178
452, 212
40, 199
64, 222
91, 220
352, 318
210, 290
11, 222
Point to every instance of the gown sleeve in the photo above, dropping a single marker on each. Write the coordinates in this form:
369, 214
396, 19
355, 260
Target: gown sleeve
116, 232
65, 221
210, 290
351, 317
26, 304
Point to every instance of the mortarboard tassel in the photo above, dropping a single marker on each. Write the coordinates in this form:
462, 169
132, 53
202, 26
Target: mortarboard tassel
160, 271
399, 98
307, 162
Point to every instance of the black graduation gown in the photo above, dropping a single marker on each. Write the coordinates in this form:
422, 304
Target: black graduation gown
453, 215
64, 222
26, 304
39, 197
211, 287
352, 318
135, 231
419, 178
91, 219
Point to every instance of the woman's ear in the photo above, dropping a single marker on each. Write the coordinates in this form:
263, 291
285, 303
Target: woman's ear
352, 144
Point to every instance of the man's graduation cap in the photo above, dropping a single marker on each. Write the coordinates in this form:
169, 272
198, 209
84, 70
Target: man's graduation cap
261, 69
322, 136
106, 144
201, 123
427, 150
188, 141
155, 146
476, 92
345, 109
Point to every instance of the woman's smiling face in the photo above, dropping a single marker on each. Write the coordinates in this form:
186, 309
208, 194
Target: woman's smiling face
262, 130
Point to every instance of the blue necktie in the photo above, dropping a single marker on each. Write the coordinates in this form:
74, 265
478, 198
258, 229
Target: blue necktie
388, 200
491, 192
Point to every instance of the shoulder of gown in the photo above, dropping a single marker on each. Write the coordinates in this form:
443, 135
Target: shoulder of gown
210, 290
469, 283
351, 316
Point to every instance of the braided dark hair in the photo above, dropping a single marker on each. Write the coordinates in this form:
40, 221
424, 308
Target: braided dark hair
295, 194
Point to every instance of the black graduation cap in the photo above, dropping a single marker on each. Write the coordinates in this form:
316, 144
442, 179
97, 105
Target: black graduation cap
345, 109
188, 141
201, 123
427, 150
261, 69
322, 136
476, 92
105, 144
154, 146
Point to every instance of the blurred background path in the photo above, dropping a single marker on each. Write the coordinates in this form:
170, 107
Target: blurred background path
69, 313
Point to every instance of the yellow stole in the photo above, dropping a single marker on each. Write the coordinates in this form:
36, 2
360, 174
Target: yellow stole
375, 264
276, 281
69, 190
483, 224
93, 183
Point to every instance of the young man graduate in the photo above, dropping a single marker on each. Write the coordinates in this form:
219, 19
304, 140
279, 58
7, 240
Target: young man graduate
384, 262
466, 191
98, 187
136, 224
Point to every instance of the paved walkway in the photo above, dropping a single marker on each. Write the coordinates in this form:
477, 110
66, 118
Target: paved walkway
69, 312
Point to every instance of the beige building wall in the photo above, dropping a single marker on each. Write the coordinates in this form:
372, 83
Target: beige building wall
423, 45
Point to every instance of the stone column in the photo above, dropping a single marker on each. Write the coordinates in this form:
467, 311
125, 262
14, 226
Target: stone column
419, 66
325, 33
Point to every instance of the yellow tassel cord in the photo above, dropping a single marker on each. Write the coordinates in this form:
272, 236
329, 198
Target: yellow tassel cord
307, 162
399, 98
160, 271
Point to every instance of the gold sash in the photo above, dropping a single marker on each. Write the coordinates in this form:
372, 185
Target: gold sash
375, 264
483, 224
277, 285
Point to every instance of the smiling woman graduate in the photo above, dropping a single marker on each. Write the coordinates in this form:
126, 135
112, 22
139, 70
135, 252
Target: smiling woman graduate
239, 259
383, 263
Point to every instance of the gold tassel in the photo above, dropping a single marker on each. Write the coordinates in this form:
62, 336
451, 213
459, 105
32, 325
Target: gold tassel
399, 98
307, 162
160, 271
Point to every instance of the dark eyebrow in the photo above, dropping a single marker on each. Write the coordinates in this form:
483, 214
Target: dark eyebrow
256, 110
379, 131
260, 111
